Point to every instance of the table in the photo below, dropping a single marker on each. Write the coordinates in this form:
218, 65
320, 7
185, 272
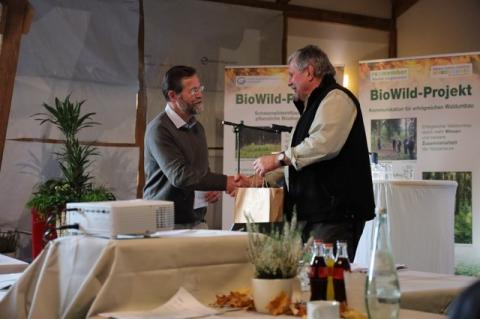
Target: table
79, 277
11, 265
404, 314
421, 291
410, 314
430, 292
421, 221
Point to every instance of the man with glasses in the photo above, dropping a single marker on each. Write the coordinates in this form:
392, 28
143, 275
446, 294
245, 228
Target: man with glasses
326, 166
176, 154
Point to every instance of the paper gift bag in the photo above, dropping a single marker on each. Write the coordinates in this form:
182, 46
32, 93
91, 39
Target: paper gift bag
262, 204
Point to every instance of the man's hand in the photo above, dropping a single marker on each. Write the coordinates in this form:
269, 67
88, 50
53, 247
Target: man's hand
242, 180
231, 187
212, 197
238, 180
255, 181
265, 164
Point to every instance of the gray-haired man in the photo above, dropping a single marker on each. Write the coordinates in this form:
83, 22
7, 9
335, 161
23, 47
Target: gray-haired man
327, 168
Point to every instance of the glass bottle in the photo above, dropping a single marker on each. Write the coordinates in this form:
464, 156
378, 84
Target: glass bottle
304, 268
318, 273
330, 261
382, 291
341, 265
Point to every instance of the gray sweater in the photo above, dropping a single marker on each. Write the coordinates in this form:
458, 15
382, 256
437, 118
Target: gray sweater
176, 164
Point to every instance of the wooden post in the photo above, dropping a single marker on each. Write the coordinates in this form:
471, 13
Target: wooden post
3, 16
141, 116
16, 12
392, 35
285, 39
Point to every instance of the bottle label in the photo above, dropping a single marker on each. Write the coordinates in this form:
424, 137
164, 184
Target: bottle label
338, 273
323, 272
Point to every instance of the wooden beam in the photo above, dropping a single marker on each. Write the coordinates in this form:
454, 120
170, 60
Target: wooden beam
93, 143
392, 35
307, 13
141, 115
14, 21
3, 17
55, 141
284, 39
401, 6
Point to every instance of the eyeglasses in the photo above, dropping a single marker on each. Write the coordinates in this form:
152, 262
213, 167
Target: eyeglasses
196, 90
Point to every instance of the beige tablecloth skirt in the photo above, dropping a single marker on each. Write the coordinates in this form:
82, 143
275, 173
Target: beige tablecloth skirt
79, 277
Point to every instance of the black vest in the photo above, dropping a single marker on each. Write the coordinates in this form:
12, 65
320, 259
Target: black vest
338, 189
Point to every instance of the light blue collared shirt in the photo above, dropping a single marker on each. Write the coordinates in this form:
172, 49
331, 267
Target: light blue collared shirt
177, 120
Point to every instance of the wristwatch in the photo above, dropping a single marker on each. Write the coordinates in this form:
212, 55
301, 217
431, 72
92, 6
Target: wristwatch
281, 158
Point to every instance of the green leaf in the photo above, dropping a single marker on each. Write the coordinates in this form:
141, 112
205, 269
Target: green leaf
73, 158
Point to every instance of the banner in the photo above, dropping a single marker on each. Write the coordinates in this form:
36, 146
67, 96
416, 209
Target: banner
423, 115
259, 97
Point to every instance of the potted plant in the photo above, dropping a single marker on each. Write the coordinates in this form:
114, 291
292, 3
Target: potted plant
50, 197
276, 258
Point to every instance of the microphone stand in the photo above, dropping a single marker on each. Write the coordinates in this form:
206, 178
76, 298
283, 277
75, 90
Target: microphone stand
237, 129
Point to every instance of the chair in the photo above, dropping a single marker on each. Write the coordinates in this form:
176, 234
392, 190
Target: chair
467, 304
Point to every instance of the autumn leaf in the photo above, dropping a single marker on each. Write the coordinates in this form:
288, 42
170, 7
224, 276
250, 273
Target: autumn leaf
279, 305
353, 314
235, 299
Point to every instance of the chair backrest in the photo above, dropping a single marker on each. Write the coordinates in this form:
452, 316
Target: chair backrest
467, 304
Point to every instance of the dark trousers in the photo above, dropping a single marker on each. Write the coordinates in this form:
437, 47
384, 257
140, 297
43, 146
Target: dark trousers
350, 232
199, 220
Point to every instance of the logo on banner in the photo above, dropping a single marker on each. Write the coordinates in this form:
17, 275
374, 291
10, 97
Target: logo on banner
240, 80
389, 75
451, 70
258, 80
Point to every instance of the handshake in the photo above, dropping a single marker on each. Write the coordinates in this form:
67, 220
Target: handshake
261, 165
233, 183
240, 180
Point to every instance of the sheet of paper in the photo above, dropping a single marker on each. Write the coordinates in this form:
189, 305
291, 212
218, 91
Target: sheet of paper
199, 200
6, 280
181, 306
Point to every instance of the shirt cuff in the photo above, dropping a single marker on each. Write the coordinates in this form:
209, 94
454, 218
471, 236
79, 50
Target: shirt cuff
291, 158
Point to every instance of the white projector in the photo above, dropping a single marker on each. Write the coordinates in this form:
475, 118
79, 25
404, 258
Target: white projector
123, 217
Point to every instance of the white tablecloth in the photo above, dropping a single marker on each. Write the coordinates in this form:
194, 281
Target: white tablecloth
79, 277
421, 291
11, 265
421, 220
404, 314
430, 292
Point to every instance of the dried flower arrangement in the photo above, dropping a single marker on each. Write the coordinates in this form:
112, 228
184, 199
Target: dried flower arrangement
278, 254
